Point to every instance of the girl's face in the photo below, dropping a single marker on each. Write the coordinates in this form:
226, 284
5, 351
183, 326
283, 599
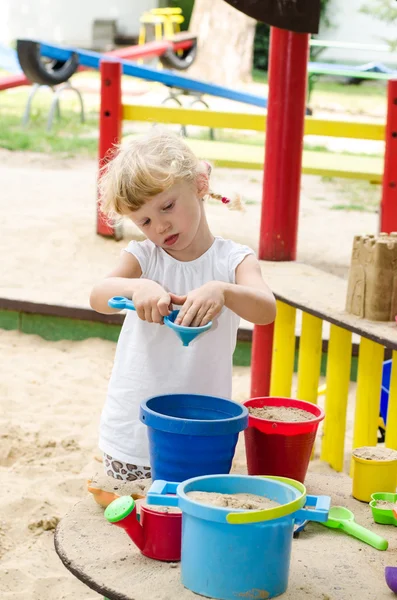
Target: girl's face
173, 218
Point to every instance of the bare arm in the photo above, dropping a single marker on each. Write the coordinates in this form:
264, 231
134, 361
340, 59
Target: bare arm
251, 298
125, 280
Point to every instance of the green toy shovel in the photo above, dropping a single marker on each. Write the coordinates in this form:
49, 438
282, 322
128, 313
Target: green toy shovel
342, 518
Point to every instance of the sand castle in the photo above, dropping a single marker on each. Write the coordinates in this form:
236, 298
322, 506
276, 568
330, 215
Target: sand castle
372, 287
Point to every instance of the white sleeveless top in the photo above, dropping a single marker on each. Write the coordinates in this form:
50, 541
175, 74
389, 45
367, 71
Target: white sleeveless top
150, 359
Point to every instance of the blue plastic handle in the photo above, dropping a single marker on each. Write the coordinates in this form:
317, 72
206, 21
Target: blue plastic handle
316, 509
159, 491
121, 302
185, 334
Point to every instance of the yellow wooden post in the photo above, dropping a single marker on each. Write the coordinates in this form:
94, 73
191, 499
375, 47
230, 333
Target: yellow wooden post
142, 34
310, 351
158, 31
338, 380
369, 379
391, 425
283, 350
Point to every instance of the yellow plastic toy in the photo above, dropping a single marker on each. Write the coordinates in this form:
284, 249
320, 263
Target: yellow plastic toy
370, 476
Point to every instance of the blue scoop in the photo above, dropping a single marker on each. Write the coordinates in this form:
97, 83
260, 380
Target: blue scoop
186, 334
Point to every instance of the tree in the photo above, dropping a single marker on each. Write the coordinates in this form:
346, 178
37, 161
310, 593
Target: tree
386, 11
225, 43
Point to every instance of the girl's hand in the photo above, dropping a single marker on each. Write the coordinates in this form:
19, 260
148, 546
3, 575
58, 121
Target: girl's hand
151, 302
200, 306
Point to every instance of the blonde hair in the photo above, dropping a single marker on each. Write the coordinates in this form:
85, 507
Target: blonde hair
144, 167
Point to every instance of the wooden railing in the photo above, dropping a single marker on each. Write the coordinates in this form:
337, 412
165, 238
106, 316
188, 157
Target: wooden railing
236, 155
312, 302
364, 130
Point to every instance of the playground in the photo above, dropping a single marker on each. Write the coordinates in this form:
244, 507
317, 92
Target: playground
55, 378
46, 426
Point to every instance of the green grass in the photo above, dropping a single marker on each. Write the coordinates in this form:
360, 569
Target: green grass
336, 86
320, 148
356, 207
354, 195
68, 135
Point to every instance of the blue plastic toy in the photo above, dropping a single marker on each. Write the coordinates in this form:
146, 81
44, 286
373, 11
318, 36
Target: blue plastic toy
185, 334
231, 561
191, 434
384, 395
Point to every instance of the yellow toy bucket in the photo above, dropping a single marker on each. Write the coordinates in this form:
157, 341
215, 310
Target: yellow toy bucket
371, 475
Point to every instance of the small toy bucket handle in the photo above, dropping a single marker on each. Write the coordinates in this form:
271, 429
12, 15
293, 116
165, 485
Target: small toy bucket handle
321, 506
315, 509
159, 491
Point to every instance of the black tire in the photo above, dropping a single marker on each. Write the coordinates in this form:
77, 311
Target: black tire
38, 70
171, 60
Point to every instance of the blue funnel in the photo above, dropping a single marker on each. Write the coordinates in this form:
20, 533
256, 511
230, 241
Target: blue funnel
185, 334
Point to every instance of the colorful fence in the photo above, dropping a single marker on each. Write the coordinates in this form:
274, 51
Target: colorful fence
236, 155
369, 376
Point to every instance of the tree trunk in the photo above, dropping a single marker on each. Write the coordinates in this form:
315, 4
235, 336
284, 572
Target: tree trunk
225, 43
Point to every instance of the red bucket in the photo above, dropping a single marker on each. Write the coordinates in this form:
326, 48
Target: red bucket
280, 448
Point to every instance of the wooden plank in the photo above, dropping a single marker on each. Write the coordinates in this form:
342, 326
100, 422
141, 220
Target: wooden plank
369, 380
323, 295
283, 351
255, 122
349, 166
229, 155
59, 310
338, 380
191, 116
328, 164
309, 365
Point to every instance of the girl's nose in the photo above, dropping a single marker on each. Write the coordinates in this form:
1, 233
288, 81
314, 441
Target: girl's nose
162, 227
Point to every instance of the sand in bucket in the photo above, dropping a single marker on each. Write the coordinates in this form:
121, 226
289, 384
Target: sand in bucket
243, 501
280, 436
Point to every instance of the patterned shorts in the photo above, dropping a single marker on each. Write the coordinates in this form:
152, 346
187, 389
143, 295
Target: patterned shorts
124, 471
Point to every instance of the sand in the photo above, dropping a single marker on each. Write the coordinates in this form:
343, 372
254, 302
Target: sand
51, 222
162, 509
282, 414
384, 505
241, 500
52, 395
375, 453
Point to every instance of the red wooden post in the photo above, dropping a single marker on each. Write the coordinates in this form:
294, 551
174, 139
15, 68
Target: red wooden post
388, 208
284, 144
282, 174
110, 122
261, 360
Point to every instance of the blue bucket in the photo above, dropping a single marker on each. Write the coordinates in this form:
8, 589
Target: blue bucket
191, 435
228, 561
385, 390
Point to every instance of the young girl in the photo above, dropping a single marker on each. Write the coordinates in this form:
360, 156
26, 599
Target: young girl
160, 185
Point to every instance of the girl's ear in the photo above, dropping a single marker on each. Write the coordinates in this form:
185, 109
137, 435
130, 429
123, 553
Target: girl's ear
202, 184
